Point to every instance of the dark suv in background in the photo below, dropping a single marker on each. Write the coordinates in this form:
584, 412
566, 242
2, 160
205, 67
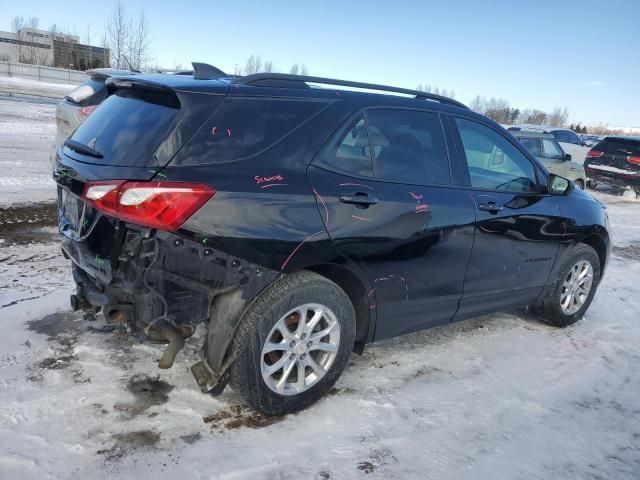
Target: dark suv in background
300, 223
615, 161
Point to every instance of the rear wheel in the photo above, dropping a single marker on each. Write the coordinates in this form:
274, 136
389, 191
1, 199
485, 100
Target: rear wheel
293, 344
573, 288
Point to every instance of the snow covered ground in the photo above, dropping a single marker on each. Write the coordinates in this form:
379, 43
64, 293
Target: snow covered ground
498, 397
27, 129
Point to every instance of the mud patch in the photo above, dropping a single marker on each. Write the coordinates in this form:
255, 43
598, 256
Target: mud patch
239, 416
129, 442
377, 459
339, 391
56, 325
25, 223
631, 251
148, 392
191, 438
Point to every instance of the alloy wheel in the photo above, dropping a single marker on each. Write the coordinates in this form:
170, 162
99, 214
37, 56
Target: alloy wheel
576, 287
300, 349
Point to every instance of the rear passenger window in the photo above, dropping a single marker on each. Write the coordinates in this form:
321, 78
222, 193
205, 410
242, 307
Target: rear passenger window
242, 127
408, 146
350, 152
533, 144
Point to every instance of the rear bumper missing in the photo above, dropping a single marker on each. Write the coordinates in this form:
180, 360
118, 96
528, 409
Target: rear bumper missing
160, 283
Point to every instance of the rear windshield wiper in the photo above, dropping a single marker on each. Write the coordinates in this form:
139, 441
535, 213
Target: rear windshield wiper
82, 148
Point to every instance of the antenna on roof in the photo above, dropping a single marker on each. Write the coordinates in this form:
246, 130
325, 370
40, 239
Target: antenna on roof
204, 71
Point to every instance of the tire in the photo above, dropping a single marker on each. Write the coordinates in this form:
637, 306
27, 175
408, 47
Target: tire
550, 309
592, 184
580, 184
264, 321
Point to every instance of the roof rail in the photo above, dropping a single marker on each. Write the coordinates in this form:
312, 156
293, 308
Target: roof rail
283, 79
204, 71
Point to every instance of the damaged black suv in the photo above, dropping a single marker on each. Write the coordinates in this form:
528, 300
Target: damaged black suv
300, 220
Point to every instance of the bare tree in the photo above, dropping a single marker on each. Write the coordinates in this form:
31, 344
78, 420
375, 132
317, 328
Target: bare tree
295, 68
304, 70
533, 116
558, 117
251, 66
18, 25
138, 51
268, 66
118, 29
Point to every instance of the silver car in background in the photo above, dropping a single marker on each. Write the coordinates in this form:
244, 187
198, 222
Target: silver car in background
547, 149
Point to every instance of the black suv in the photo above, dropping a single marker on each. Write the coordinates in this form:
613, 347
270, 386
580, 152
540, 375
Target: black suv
300, 223
615, 161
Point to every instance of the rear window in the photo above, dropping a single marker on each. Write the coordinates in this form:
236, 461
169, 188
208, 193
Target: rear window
628, 146
242, 127
533, 144
127, 128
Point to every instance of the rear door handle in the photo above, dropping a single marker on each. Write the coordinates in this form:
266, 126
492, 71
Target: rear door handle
359, 198
490, 207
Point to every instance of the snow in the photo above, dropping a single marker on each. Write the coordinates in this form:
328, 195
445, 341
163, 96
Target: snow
27, 130
23, 86
502, 396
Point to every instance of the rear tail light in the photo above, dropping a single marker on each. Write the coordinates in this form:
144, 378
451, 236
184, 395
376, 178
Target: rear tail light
83, 112
594, 154
161, 205
633, 159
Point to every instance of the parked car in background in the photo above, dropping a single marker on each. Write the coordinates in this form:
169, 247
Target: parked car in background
615, 161
78, 104
545, 147
300, 223
569, 140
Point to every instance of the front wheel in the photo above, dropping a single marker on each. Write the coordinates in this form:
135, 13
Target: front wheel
293, 344
573, 288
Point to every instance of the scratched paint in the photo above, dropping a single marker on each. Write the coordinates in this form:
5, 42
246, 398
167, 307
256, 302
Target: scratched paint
269, 185
360, 218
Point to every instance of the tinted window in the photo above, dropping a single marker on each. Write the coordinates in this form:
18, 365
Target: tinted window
242, 127
628, 146
533, 144
350, 152
494, 162
127, 127
567, 136
551, 149
408, 146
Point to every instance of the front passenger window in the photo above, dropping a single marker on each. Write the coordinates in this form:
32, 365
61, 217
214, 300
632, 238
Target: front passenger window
494, 162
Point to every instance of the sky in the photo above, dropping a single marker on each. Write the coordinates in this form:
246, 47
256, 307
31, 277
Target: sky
583, 55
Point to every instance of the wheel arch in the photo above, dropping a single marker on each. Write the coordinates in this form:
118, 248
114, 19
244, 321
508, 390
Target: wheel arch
356, 290
600, 245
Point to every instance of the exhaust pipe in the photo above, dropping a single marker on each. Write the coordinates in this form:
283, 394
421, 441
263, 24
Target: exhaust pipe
176, 342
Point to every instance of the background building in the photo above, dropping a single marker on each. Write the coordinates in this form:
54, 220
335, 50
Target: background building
40, 47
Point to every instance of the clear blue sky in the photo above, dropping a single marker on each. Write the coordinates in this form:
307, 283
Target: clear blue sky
584, 55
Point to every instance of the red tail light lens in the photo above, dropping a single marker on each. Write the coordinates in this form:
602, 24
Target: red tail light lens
632, 159
161, 205
83, 112
594, 154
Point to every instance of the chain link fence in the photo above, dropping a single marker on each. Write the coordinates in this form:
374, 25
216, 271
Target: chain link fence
42, 73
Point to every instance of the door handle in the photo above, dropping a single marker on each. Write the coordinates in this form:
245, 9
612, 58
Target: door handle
490, 207
359, 198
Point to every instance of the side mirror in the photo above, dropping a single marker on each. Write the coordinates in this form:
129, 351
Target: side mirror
558, 185
567, 156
